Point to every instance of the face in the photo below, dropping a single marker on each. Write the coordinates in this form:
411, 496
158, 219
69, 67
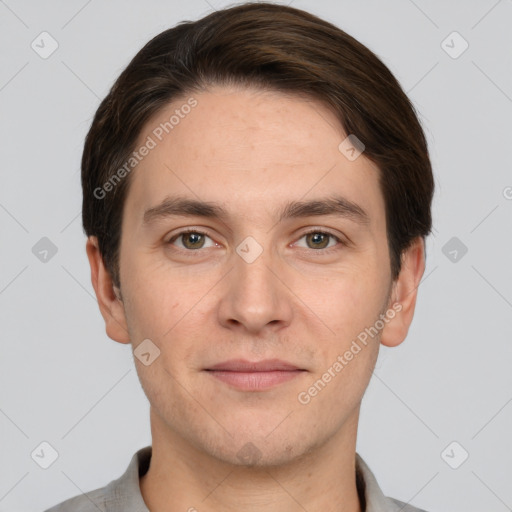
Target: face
264, 273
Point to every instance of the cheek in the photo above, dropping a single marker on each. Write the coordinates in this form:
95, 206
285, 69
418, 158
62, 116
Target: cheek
161, 309
153, 298
353, 303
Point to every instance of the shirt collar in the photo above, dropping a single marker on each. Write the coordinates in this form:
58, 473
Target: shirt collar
124, 493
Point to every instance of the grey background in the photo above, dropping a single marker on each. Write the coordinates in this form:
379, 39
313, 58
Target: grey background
65, 382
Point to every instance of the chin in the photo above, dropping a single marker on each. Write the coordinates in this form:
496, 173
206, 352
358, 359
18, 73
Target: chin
257, 450
259, 455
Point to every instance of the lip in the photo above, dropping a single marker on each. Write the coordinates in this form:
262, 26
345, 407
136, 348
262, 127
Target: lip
254, 376
242, 365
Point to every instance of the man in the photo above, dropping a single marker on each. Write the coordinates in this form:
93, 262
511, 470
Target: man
257, 192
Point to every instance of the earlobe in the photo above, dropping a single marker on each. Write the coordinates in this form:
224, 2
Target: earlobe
404, 294
108, 296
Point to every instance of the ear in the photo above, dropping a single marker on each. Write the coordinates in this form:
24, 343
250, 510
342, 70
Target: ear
403, 294
108, 296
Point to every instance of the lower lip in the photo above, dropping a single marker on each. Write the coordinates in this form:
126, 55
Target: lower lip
255, 381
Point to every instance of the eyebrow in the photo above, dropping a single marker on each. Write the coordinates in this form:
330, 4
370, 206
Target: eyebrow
186, 207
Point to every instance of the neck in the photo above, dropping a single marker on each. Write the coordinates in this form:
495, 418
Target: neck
182, 478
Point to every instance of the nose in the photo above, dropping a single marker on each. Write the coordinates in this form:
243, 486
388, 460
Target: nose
255, 297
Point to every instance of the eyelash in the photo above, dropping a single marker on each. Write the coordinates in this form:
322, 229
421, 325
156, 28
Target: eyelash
313, 230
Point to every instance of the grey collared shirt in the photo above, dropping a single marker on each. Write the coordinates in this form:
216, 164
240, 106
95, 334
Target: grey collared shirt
123, 494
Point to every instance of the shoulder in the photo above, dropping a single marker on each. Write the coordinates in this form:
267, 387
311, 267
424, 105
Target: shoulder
375, 500
92, 501
120, 495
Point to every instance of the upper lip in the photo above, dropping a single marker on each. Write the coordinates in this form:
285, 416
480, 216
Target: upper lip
242, 365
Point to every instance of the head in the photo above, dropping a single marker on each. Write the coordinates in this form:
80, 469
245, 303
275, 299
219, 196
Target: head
256, 185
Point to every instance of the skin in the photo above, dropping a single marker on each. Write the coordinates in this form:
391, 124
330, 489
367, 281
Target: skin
252, 151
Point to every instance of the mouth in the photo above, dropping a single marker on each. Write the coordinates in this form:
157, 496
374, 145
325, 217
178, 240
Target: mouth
254, 376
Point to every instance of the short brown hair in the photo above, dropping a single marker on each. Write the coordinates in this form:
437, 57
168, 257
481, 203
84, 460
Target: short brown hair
272, 47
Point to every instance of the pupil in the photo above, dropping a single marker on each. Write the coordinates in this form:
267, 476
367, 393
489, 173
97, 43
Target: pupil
193, 238
318, 237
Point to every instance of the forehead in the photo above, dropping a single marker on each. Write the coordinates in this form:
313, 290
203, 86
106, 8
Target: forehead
250, 150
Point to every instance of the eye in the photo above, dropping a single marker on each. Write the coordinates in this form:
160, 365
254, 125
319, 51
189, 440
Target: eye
191, 240
319, 240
